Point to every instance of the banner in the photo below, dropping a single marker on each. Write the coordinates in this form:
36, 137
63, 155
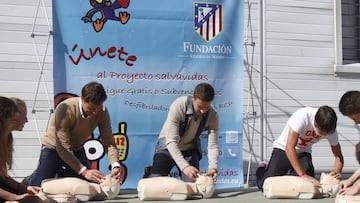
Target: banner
146, 54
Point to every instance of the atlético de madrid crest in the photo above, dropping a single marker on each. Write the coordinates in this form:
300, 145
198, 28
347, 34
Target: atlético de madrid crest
208, 20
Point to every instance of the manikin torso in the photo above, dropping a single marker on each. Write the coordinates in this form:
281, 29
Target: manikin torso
168, 188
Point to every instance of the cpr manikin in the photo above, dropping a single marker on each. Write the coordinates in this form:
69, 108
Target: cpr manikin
168, 188
347, 199
42, 198
297, 187
80, 189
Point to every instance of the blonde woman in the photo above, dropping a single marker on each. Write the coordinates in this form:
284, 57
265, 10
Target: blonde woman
11, 190
21, 117
8, 111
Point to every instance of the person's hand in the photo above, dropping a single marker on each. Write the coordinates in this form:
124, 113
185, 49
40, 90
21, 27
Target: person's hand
93, 175
213, 173
352, 190
18, 197
336, 175
33, 189
345, 183
116, 173
312, 180
191, 172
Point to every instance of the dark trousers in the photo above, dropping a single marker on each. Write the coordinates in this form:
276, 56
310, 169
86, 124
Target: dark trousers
28, 199
163, 163
280, 165
51, 165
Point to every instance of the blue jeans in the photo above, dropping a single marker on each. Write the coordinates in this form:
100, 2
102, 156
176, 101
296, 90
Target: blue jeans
51, 165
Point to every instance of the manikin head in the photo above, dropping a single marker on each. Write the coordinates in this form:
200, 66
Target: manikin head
205, 186
110, 186
329, 184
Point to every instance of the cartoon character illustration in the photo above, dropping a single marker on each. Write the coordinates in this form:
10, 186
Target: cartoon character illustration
95, 150
106, 8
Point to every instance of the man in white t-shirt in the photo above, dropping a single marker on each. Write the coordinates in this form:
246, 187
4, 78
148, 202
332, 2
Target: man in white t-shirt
292, 150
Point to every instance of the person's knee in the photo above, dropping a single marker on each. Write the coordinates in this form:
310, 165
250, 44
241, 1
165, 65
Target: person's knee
154, 175
33, 180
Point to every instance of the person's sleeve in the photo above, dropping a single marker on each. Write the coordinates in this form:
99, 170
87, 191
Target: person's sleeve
63, 147
172, 123
333, 138
297, 120
13, 185
213, 140
107, 138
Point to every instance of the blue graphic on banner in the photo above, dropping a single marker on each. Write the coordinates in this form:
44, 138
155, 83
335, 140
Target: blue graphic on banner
146, 54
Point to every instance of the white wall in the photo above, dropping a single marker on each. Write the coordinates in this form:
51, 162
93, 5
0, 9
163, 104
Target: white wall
26, 72
298, 71
299, 63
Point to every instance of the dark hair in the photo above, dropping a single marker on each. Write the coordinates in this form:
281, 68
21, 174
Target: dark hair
7, 109
204, 92
349, 103
357, 152
326, 119
93, 92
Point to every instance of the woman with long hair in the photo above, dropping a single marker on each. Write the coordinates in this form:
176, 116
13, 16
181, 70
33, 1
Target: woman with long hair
8, 112
12, 118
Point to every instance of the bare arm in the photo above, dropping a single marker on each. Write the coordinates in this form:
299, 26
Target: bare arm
339, 160
351, 180
291, 152
11, 196
351, 190
294, 160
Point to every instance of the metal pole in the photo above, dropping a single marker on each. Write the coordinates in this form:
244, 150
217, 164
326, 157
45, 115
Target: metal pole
261, 64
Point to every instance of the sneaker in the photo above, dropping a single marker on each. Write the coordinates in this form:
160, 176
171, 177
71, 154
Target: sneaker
25, 181
262, 164
260, 171
292, 172
147, 170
